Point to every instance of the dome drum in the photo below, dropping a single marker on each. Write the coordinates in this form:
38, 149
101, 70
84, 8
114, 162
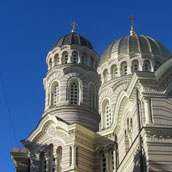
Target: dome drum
72, 54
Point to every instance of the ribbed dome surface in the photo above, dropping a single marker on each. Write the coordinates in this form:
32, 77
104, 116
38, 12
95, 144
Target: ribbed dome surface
73, 39
135, 44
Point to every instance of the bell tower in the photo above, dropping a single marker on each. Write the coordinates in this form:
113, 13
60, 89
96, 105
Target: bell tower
71, 83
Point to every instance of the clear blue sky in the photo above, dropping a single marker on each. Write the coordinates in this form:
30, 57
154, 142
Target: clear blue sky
28, 30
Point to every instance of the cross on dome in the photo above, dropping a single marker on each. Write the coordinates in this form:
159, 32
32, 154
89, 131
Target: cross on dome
74, 24
132, 32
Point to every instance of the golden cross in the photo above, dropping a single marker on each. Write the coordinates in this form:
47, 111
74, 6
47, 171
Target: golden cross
132, 33
74, 24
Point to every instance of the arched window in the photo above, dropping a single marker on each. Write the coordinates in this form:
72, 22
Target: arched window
54, 94
59, 159
92, 96
74, 92
112, 162
114, 71
50, 63
105, 75
84, 59
157, 65
124, 69
65, 58
56, 59
146, 66
135, 66
107, 114
43, 163
103, 162
74, 57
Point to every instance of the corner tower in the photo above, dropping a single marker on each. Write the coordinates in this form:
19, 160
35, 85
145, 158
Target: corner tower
71, 83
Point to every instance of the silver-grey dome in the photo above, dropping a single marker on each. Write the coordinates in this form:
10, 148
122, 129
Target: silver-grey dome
135, 44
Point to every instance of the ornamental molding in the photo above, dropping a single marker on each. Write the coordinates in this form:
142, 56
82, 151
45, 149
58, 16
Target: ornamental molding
158, 135
40, 133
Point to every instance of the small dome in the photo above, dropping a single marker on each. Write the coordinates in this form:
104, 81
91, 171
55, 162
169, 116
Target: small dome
135, 44
73, 39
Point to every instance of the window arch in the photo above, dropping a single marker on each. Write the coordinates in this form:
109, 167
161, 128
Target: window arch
135, 66
74, 92
74, 57
65, 57
55, 93
124, 68
56, 59
84, 59
114, 71
146, 66
106, 109
105, 75
92, 96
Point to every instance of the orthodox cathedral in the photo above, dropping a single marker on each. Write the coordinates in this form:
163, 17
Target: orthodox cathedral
108, 114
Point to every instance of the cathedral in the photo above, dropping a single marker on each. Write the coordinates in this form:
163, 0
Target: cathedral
107, 114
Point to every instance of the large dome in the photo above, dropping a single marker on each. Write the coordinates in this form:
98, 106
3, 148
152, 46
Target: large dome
135, 44
73, 39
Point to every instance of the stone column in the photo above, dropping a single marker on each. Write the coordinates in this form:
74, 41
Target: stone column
147, 110
69, 57
129, 67
54, 166
73, 163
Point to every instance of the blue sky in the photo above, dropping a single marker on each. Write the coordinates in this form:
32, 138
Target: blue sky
28, 30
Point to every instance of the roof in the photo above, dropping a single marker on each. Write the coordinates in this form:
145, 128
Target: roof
73, 39
135, 44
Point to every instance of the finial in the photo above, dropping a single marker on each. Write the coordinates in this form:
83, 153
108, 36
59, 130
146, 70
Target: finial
74, 24
132, 32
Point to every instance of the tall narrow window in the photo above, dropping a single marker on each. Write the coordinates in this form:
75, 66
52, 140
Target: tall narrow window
92, 96
124, 69
114, 71
103, 163
74, 57
55, 94
112, 160
135, 66
74, 92
147, 67
65, 58
84, 59
56, 59
105, 75
107, 114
